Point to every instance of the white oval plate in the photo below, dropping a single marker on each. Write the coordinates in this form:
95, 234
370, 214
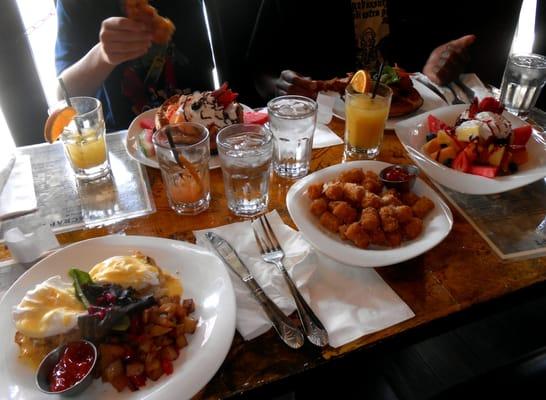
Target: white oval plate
204, 279
436, 225
136, 154
412, 133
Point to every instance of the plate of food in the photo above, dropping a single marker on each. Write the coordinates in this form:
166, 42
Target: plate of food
214, 109
346, 212
410, 97
160, 312
475, 149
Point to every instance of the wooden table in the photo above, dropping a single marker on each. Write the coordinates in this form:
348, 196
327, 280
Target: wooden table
460, 272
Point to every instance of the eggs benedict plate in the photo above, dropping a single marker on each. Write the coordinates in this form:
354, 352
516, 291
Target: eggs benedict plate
43, 307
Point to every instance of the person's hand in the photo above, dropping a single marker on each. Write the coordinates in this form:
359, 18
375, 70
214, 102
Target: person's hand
447, 61
122, 39
291, 82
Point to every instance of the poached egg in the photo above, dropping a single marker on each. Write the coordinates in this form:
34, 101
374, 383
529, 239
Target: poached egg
137, 271
50, 309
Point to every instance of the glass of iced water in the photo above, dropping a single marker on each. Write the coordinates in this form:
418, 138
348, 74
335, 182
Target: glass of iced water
523, 79
184, 166
245, 156
292, 120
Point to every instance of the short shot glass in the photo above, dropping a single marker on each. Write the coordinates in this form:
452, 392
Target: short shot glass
245, 152
185, 166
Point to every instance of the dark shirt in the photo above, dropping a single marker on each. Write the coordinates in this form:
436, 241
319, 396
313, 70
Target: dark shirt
317, 39
125, 93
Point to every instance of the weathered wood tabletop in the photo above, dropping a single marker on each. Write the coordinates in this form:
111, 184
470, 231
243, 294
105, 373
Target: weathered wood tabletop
460, 272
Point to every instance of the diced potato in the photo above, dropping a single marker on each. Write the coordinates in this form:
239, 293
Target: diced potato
163, 320
169, 353
109, 353
181, 341
190, 325
189, 305
158, 330
146, 345
134, 368
168, 308
114, 369
181, 312
155, 374
120, 382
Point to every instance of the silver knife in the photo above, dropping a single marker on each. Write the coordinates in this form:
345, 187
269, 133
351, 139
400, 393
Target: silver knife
286, 329
431, 87
467, 91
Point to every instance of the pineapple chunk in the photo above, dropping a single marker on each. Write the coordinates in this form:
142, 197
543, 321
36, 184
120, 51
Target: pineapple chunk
495, 157
446, 140
468, 133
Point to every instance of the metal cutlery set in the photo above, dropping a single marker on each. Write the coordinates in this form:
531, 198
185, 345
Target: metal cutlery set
273, 253
453, 87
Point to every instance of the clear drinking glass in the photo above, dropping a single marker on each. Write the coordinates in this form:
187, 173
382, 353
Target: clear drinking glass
523, 79
245, 152
292, 120
365, 118
84, 139
185, 169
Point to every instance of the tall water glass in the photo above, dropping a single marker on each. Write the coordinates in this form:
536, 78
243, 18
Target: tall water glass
365, 118
84, 139
292, 120
245, 152
523, 79
185, 169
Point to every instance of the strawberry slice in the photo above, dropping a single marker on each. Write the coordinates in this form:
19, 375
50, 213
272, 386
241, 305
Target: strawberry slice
253, 117
147, 123
474, 108
218, 92
226, 98
491, 104
435, 124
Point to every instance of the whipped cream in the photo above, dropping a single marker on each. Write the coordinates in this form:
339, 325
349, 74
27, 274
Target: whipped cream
496, 123
202, 108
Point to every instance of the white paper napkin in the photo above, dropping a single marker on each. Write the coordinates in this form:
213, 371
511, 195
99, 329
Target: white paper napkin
350, 302
18, 197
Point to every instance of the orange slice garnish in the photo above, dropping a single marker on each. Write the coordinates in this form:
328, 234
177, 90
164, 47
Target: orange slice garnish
56, 122
361, 81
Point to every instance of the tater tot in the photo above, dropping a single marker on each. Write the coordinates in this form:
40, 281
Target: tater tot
372, 185
370, 199
389, 223
403, 213
392, 191
422, 207
371, 175
409, 198
413, 228
357, 235
334, 191
355, 175
330, 221
390, 200
342, 229
377, 237
394, 239
345, 212
318, 206
370, 219
353, 192
314, 191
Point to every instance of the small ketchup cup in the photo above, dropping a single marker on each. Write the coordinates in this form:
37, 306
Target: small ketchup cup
400, 177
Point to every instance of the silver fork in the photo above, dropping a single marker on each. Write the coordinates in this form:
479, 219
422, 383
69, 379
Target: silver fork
273, 253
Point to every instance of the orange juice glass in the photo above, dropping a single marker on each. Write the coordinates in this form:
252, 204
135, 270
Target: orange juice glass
84, 139
186, 177
365, 117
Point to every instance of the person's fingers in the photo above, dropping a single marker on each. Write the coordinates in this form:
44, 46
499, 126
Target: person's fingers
282, 84
128, 47
288, 75
464, 41
123, 24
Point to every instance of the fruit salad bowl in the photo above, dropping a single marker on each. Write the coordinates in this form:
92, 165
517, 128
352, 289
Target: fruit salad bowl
413, 135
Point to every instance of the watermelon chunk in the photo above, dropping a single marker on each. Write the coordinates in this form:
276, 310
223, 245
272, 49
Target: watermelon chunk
147, 123
144, 141
485, 171
521, 135
253, 117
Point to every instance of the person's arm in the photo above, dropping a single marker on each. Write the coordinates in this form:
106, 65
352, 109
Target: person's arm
120, 40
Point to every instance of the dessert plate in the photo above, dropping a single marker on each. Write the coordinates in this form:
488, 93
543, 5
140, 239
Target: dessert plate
412, 133
203, 277
436, 225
